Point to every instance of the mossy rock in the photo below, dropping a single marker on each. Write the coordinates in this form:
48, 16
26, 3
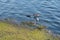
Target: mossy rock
10, 32
41, 27
31, 24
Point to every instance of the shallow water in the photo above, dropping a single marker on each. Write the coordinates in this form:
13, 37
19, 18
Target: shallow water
49, 11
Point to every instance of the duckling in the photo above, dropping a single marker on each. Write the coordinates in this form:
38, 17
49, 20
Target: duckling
36, 17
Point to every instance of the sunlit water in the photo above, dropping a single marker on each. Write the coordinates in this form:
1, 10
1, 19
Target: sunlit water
49, 11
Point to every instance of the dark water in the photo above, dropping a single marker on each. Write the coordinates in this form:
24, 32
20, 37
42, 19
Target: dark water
48, 9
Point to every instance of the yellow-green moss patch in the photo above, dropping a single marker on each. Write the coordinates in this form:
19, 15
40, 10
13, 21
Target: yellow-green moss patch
9, 32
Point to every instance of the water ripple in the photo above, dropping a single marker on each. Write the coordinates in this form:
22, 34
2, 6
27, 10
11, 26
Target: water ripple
49, 10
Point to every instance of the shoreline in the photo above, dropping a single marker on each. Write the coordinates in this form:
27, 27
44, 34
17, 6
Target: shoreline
11, 29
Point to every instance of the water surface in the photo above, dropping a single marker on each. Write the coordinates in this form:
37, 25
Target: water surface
49, 11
